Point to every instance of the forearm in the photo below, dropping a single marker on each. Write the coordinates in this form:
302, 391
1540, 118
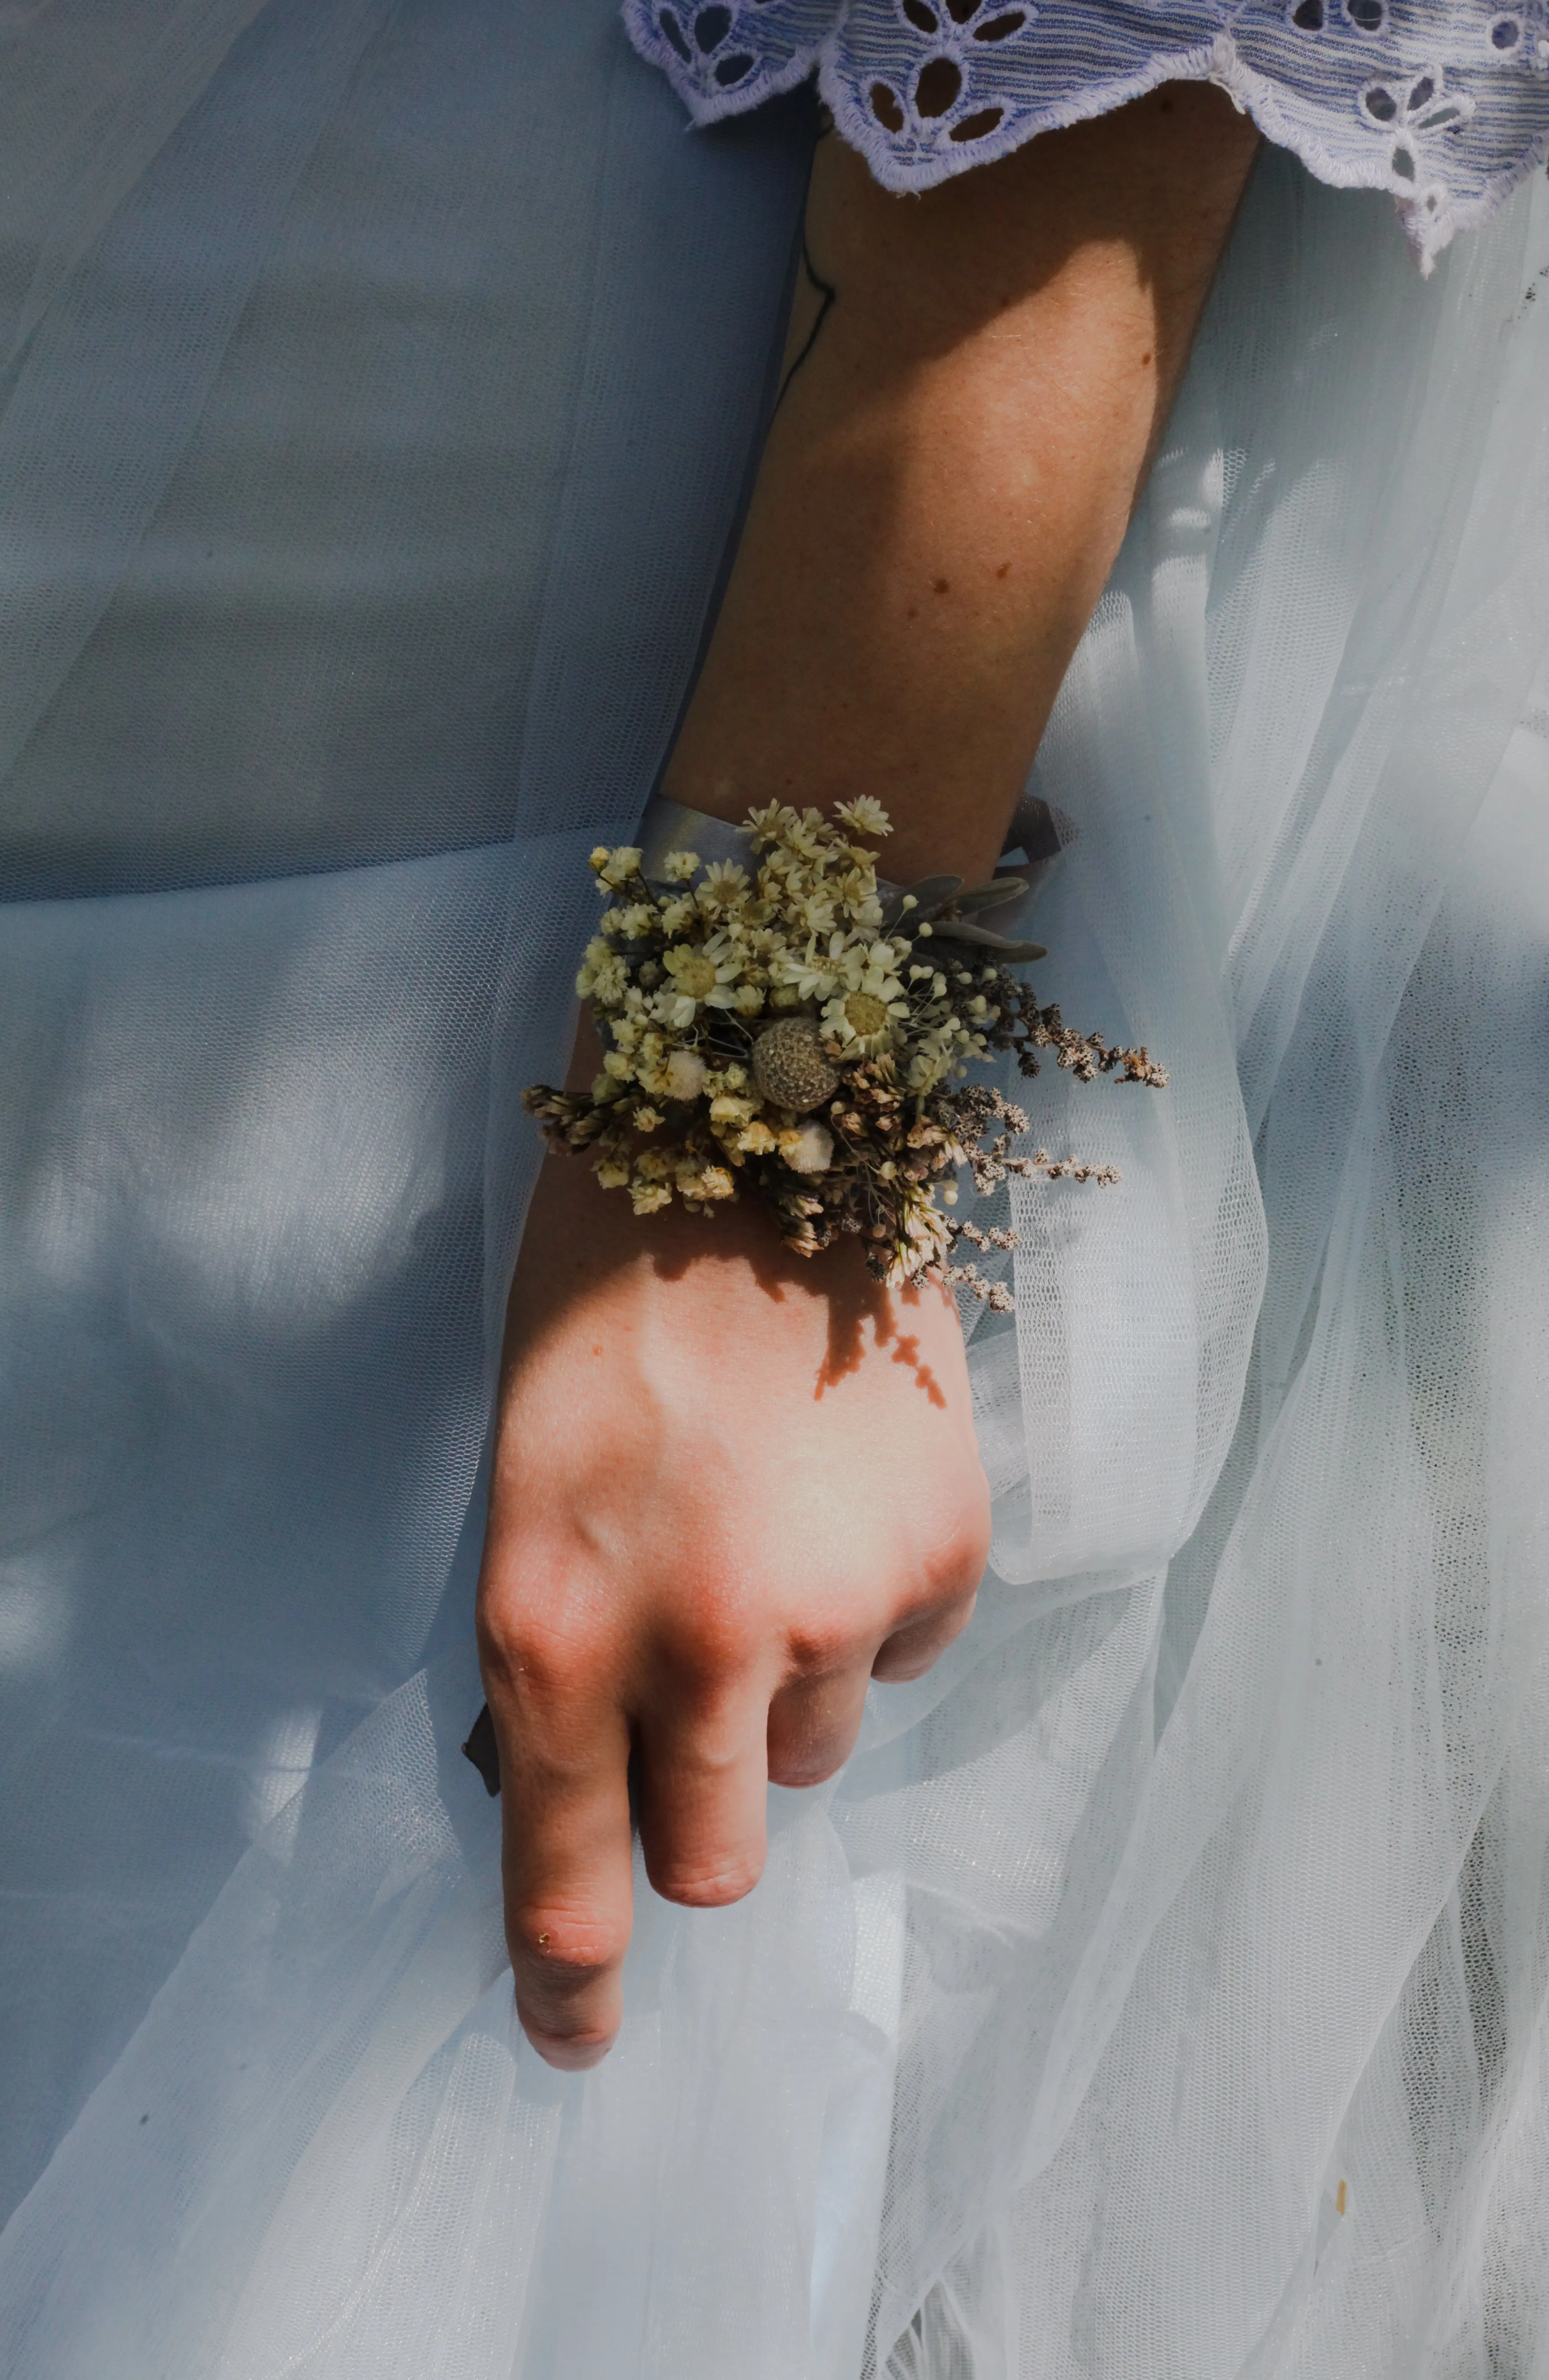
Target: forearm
731, 1486
951, 468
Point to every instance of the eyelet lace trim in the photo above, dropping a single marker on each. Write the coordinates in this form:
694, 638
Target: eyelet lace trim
1442, 104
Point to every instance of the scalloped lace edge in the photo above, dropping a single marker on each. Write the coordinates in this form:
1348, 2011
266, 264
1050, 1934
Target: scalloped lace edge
1429, 229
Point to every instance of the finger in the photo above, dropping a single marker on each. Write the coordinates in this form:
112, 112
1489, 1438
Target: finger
813, 1723
912, 1650
565, 1857
703, 1775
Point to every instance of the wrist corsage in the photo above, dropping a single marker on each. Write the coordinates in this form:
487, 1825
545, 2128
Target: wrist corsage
796, 1027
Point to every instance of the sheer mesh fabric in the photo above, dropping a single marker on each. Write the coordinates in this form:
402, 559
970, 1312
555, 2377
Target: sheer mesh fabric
1162, 1987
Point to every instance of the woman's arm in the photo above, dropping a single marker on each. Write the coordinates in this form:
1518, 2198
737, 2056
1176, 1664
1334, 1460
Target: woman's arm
952, 468
731, 1486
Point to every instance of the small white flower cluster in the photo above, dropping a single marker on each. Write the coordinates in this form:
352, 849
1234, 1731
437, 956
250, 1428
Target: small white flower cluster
805, 933
739, 1003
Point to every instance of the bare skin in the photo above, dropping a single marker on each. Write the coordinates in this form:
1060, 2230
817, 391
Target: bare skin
952, 468
731, 1486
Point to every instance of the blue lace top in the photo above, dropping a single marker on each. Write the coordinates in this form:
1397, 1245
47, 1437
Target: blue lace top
1443, 103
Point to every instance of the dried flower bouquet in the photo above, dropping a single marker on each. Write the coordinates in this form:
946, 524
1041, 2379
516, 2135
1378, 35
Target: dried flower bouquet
806, 1032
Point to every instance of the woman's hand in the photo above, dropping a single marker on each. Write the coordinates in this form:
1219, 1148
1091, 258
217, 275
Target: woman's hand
731, 1484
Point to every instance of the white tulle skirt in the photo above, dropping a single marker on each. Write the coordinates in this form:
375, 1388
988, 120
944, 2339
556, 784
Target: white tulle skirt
1162, 1991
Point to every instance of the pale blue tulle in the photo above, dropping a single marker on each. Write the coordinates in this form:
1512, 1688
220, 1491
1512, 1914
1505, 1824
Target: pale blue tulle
1161, 1989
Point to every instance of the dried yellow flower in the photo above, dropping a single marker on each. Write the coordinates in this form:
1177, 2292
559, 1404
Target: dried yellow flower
691, 972
865, 1013
863, 1030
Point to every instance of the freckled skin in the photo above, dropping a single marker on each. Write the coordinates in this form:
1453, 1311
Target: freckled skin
973, 397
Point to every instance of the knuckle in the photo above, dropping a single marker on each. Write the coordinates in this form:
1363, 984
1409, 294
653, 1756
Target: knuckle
819, 1643
917, 1647
706, 1882
900, 1665
954, 1562
954, 1618
533, 1656
807, 1764
565, 1946
710, 1644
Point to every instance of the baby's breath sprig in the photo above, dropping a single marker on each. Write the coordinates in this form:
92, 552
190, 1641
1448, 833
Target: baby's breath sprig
803, 1030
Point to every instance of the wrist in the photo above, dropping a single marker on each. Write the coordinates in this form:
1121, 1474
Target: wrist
785, 1021
929, 839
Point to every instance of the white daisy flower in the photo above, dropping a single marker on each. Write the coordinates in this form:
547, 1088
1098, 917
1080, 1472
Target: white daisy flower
697, 980
868, 999
723, 882
816, 972
693, 973
864, 816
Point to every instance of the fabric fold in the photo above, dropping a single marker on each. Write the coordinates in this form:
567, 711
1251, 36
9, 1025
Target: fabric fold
1162, 1986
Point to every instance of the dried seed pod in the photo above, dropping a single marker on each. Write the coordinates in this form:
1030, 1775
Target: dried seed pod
791, 1069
